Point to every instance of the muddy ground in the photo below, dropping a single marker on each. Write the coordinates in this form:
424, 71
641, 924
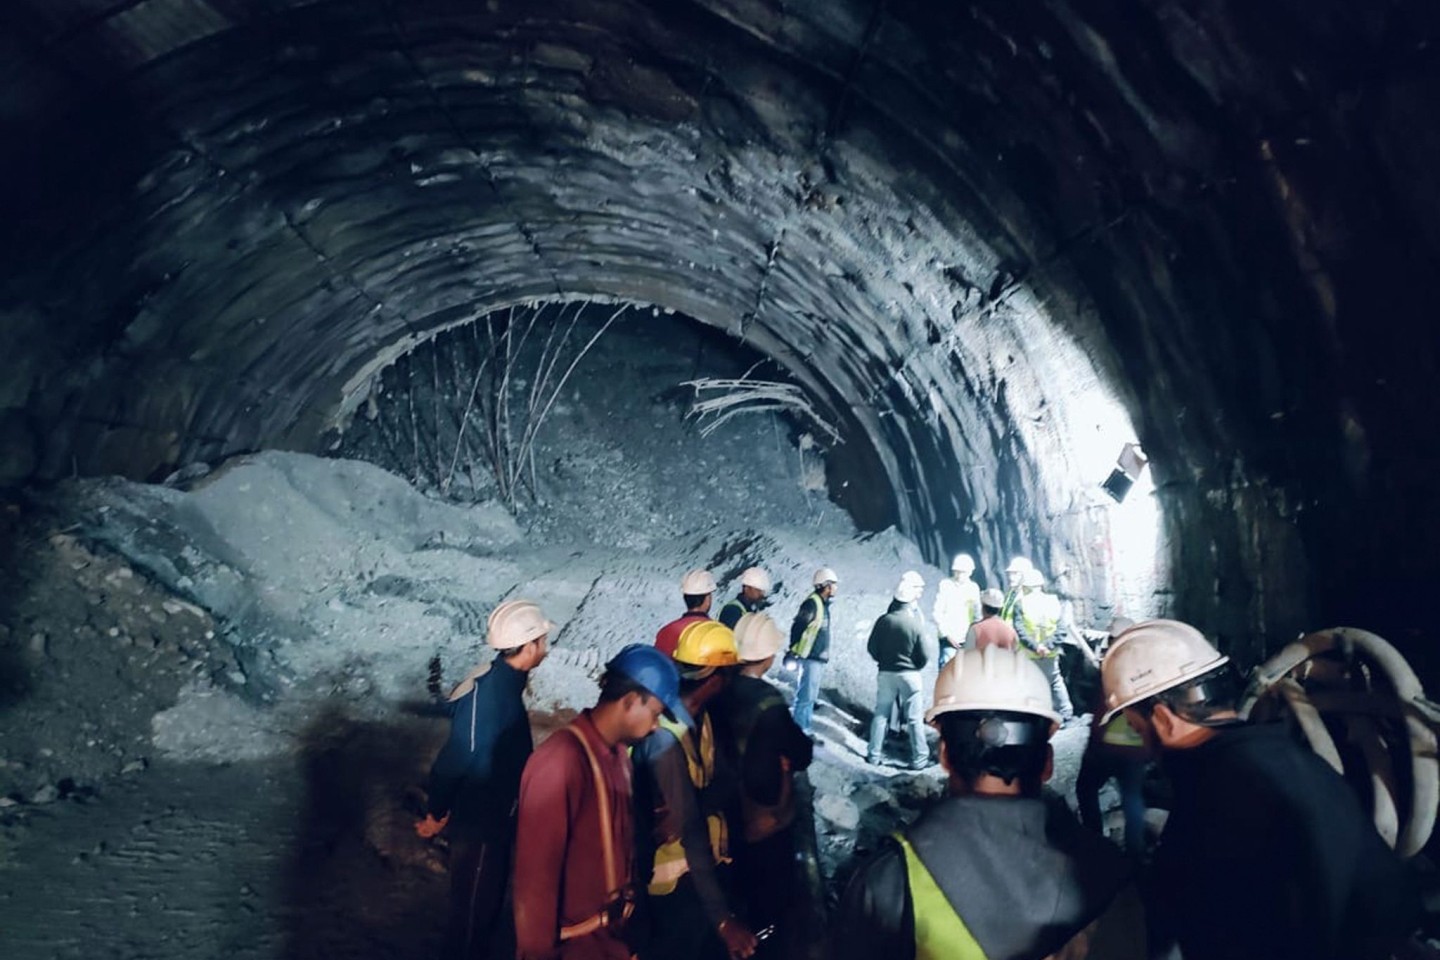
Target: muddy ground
215, 695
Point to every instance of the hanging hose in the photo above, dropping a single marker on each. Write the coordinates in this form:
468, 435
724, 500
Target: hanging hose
1303, 678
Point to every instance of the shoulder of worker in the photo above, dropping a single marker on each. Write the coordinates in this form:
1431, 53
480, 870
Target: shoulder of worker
876, 918
659, 744
1027, 874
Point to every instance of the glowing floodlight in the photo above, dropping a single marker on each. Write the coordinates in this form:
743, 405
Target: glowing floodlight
1128, 467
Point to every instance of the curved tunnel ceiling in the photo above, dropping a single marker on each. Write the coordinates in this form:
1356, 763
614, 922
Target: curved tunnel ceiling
969, 232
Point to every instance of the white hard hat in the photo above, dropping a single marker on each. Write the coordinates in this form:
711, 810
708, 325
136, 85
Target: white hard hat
515, 623
758, 637
1151, 657
963, 561
697, 583
993, 598
757, 578
1032, 578
825, 575
911, 586
993, 679
1019, 565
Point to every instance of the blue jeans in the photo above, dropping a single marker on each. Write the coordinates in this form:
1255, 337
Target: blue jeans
1059, 693
947, 653
902, 687
810, 673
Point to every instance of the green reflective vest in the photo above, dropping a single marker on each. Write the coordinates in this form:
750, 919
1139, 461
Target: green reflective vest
1040, 613
940, 934
803, 646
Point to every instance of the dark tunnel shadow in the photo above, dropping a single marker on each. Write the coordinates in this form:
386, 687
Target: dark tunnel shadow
359, 883
16, 677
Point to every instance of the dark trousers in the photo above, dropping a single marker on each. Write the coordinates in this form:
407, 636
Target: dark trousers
679, 929
479, 876
769, 882
1128, 772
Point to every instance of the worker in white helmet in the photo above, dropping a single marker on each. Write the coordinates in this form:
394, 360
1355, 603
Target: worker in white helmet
769, 749
1267, 854
810, 644
1014, 573
1035, 615
993, 870
697, 588
753, 597
897, 645
957, 605
475, 780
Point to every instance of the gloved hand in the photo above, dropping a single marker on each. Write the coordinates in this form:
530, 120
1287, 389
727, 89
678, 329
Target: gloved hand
429, 827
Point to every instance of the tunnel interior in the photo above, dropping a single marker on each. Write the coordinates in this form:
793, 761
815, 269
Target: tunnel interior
952, 229
975, 250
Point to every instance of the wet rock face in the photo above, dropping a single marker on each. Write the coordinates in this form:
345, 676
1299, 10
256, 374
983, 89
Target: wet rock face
946, 223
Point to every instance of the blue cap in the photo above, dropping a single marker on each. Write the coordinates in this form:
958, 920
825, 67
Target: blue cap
655, 672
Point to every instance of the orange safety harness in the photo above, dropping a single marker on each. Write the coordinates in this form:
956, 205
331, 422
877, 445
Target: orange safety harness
620, 899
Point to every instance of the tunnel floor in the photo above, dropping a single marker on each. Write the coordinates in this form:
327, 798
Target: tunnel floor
216, 689
156, 807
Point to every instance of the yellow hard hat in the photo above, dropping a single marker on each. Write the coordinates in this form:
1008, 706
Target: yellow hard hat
706, 643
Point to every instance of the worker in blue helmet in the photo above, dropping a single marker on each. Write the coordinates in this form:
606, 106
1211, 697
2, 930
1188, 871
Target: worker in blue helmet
574, 858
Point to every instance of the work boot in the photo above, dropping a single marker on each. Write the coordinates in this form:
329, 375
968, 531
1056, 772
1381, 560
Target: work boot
919, 763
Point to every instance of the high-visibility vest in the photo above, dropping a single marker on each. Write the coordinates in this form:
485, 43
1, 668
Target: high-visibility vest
970, 591
670, 861
940, 934
1040, 613
806, 642
1119, 733
1007, 609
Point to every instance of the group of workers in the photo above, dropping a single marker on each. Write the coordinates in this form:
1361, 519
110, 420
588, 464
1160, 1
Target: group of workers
660, 823
1024, 616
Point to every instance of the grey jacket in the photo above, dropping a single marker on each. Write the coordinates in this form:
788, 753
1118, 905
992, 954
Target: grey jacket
897, 641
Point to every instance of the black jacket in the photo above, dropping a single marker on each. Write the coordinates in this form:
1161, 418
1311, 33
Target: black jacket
1267, 854
476, 777
805, 621
897, 641
736, 607
753, 712
1022, 874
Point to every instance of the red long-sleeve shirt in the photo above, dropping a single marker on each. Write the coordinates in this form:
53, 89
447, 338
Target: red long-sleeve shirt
559, 851
667, 638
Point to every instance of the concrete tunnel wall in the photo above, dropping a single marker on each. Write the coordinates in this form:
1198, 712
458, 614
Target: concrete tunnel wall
956, 225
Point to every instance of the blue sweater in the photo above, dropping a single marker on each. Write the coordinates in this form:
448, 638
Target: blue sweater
476, 777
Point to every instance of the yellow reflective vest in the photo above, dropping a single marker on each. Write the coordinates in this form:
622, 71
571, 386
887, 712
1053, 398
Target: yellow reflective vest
940, 934
1040, 613
670, 861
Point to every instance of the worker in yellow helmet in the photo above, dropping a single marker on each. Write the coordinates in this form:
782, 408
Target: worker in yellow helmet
994, 871
686, 782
